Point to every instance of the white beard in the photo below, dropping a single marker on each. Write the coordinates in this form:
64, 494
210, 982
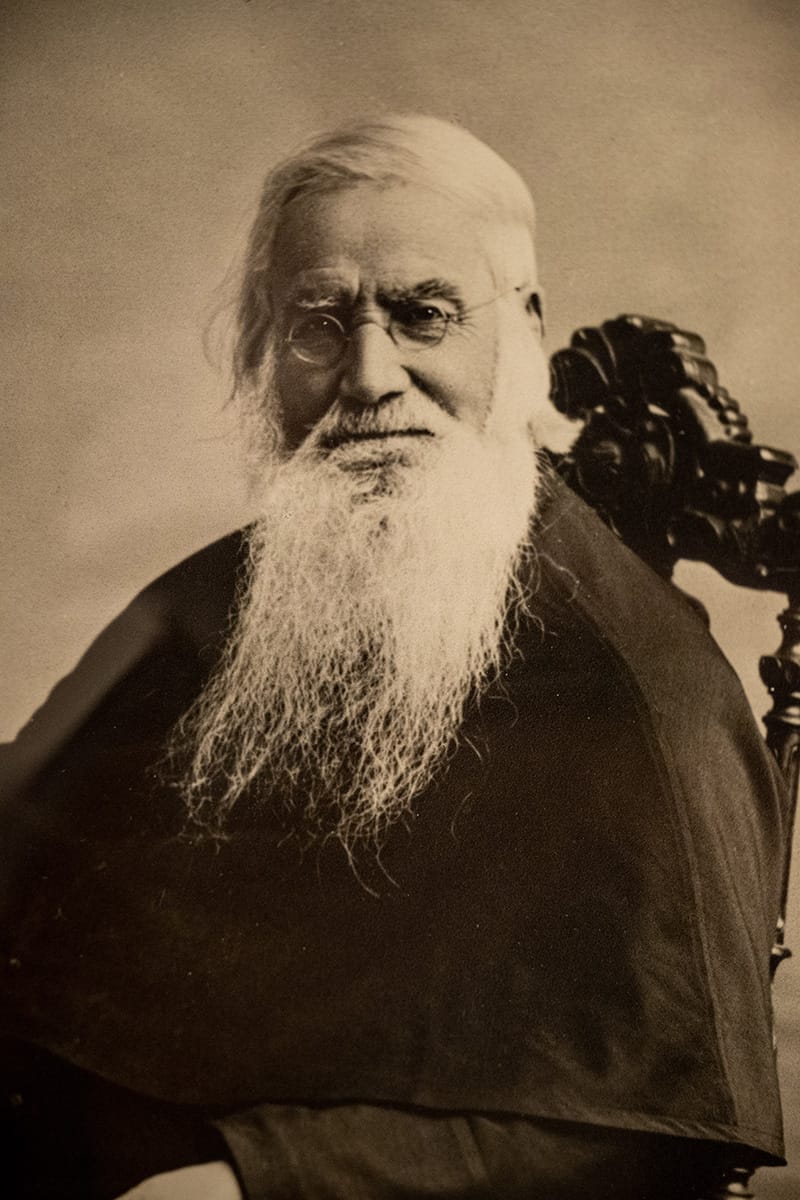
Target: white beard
383, 575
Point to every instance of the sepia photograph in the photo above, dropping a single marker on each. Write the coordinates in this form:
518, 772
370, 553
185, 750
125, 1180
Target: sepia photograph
401, 601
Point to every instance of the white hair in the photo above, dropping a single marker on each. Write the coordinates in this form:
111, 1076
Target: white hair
393, 149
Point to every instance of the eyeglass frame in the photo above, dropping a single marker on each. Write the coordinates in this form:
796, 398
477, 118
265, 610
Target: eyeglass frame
448, 319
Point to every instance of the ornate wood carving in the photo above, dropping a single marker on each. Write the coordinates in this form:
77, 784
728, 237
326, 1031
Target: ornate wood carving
667, 458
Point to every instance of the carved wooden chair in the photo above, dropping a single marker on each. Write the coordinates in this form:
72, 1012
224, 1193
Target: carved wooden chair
667, 459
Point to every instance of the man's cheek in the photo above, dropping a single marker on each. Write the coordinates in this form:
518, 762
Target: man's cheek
301, 407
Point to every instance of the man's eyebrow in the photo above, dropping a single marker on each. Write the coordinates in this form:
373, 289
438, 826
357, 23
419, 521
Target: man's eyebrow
426, 289
324, 294
318, 296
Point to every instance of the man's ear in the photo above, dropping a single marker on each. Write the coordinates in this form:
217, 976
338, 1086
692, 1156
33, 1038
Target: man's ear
533, 307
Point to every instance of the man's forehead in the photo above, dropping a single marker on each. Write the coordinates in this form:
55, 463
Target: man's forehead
394, 237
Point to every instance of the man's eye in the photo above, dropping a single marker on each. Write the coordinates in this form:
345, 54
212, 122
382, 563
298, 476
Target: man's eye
317, 338
422, 322
314, 325
420, 314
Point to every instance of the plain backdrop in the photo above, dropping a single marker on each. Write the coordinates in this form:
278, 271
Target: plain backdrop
661, 140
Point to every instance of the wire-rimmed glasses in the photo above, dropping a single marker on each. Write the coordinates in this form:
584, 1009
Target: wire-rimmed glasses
320, 339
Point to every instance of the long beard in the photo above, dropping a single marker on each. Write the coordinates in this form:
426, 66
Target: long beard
382, 578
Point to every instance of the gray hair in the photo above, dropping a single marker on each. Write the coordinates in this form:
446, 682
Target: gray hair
413, 149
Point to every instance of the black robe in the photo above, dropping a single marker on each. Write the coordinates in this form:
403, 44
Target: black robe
575, 925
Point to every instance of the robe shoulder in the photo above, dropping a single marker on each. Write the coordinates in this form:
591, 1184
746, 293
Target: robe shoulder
148, 659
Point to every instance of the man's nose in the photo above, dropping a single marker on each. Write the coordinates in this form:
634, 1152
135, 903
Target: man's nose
373, 371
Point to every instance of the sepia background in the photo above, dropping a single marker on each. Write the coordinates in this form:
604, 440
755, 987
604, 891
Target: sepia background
661, 139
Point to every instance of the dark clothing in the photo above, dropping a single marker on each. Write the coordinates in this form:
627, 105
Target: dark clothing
574, 928
88, 1139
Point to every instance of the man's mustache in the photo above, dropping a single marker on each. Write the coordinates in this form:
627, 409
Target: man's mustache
398, 418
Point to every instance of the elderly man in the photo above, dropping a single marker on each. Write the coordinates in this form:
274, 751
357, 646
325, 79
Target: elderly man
415, 840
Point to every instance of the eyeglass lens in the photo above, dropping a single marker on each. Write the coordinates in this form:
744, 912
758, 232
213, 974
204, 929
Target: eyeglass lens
320, 338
